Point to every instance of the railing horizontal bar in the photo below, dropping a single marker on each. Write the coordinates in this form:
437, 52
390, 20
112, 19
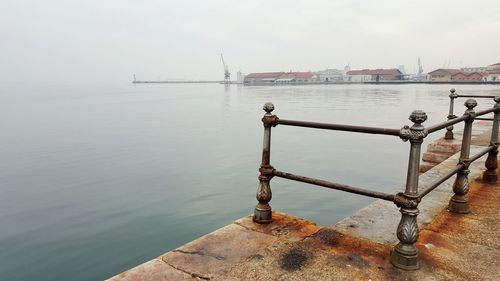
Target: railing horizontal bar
481, 153
454, 171
445, 124
340, 127
332, 185
484, 119
475, 96
441, 180
486, 111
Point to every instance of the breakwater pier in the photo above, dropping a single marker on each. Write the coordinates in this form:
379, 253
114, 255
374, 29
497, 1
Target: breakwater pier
176, 82
430, 237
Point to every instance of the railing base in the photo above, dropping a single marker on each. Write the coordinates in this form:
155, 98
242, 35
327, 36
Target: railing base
459, 205
448, 135
490, 176
403, 260
262, 216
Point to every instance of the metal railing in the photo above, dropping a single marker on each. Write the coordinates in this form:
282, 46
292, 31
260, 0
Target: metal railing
404, 255
453, 95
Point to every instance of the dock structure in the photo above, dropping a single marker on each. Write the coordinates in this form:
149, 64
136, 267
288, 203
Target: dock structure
431, 237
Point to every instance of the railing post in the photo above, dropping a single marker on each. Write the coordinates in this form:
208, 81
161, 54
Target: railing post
263, 212
405, 255
459, 202
490, 175
449, 129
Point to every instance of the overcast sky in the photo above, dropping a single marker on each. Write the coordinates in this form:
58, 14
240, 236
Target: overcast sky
113, 39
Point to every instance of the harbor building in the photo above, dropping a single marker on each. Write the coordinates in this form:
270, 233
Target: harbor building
281, 77
374, 75
493, 76
262, 77
493, 67
240, 77
493, 72
331, 75
298, 77
474, 69
468, 76
357, 78
443, 74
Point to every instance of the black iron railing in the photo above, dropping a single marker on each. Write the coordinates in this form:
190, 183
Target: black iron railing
404, 255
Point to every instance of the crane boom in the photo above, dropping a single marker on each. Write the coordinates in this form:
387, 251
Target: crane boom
227, 74
420, 69
223, 62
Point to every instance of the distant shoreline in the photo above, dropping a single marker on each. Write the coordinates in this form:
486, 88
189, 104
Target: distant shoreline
320, 83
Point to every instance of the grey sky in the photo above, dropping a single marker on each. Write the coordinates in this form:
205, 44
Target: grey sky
99, 40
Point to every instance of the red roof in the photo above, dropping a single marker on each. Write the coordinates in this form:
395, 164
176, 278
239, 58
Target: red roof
467, 74
392, 71
303, 75
265, 75
445, 71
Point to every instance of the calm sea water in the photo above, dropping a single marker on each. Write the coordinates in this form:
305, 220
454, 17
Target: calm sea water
95, 179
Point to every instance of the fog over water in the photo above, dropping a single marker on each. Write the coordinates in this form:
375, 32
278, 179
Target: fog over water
57, 40
97, 178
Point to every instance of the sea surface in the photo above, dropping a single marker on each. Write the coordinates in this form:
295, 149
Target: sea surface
98, 178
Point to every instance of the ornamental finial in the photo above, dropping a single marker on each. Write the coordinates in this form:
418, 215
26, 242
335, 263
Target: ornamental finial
470, 103
453, 95
418, 116
268, 107
417, 132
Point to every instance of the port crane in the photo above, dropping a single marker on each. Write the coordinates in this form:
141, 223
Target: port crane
420, 68
227, 74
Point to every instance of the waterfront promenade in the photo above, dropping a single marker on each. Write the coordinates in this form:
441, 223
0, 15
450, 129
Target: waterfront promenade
451, 246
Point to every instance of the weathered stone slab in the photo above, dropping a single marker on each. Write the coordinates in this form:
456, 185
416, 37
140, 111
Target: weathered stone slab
438, 149
219, 251
378, 222
435, 157
484, 199
471, 261
330, 255
283, 226
482, 133
484, 215
445, 146
154, 270
426, 166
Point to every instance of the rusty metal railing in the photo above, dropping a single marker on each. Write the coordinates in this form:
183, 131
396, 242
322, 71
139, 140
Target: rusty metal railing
453, 95
404, 254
